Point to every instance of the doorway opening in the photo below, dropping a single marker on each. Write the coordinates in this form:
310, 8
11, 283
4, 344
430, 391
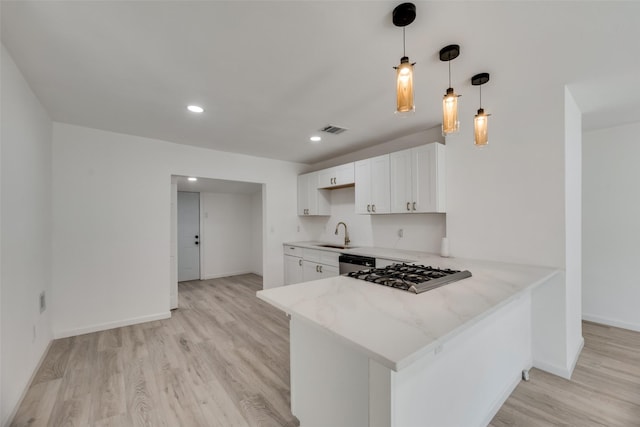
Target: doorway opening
228, 223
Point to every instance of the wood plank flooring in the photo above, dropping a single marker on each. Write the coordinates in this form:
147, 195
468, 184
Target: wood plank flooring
223, 360
604, 389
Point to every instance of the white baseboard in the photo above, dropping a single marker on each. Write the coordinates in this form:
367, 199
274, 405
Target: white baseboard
217, 276
13, 413
576, 355
562, 371
110, 325
611, 322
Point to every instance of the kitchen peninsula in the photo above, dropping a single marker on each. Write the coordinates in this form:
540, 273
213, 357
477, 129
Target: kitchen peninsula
368, 355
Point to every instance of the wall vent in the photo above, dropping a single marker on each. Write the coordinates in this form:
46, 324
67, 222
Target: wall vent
336, 130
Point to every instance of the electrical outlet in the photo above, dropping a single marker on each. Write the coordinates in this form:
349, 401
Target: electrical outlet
43, 302
400, 232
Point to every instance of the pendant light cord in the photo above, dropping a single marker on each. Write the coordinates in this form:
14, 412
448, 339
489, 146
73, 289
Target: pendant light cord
404, 50
449, 61
480, 96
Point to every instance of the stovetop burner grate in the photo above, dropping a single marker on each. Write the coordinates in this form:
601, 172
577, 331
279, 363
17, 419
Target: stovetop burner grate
409, 277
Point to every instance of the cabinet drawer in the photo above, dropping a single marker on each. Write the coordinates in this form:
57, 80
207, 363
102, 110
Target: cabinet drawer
329, 258
293, 250
321, 257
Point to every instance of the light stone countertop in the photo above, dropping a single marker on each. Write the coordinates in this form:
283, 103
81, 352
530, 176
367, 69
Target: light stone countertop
396, 327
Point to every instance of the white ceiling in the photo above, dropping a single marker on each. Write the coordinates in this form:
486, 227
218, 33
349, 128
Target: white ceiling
271, 73
207, 185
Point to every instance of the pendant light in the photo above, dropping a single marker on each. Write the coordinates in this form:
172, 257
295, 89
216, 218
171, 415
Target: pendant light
403, 15
480, 122
450, 122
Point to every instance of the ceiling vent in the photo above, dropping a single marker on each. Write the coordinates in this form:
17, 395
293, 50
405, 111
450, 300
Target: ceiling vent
333, 129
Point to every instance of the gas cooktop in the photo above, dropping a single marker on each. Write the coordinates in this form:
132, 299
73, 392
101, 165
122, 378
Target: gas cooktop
410, 277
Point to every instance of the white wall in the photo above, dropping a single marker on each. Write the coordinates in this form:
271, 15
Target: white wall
111, 198
227, 234
505, 202
26, 234
256, 232
422, 232
611, 226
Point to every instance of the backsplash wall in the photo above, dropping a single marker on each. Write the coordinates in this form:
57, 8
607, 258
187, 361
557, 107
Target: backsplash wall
421, 232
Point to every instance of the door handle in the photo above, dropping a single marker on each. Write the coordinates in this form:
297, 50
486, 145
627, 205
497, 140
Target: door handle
197, 243
317, 270
300, 263
373, 208
408, 206
196, 236
414, 206
368, 208
320, 268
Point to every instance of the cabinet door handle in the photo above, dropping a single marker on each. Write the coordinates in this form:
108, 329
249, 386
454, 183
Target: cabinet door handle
320, 268
300, 263
317, 271
373, 208
408, 206
414, 206
368, 208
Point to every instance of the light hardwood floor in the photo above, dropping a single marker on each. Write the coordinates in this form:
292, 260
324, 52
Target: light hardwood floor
604, 389
223, 360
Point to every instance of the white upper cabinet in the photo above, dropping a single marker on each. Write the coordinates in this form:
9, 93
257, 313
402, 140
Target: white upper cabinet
417, 179
372, 185
312, 201
338, 176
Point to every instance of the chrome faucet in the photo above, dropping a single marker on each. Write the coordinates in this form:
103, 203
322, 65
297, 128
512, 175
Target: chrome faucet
346, 233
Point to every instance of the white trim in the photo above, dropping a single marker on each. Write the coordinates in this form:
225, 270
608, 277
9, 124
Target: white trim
501, 399
561, 371
13, 413
219, 275
201, 250
110, 325
576, 355
611, 322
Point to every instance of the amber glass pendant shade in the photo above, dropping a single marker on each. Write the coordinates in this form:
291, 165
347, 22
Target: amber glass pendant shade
404, 87
481, 128
450, 123
481, 120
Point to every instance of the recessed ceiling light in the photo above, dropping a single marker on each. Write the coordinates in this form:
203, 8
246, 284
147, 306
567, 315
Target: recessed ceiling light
192, 178
315, 138
195, 109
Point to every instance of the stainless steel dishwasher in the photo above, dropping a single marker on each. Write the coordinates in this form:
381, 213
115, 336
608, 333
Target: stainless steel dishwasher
349, 263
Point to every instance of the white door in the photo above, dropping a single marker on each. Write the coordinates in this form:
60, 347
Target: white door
188, 236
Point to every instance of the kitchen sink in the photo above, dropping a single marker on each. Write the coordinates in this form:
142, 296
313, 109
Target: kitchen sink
336, 246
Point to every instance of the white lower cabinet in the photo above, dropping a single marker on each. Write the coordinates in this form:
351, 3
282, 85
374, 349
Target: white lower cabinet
305, 264
293, 268
314, 271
